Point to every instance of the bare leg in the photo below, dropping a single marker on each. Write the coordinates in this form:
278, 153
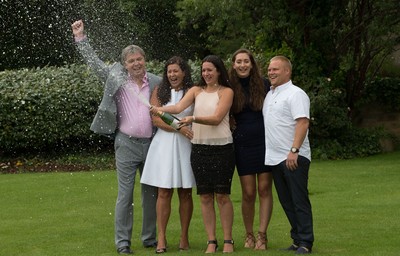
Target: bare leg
185, 213
266, 204
208, 213
226, 214
248, 184
163, 212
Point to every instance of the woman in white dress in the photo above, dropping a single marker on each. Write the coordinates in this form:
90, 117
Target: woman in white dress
168, 160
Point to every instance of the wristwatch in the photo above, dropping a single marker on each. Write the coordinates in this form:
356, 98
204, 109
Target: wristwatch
294, 150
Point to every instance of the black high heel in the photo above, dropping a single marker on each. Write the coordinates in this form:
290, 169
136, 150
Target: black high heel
213, 242
229, 242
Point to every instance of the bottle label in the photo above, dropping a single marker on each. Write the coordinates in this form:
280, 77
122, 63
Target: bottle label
175, 124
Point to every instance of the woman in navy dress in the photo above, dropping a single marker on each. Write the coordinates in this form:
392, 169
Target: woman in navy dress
248, 136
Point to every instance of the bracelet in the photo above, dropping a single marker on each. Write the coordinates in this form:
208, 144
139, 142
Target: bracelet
194, 119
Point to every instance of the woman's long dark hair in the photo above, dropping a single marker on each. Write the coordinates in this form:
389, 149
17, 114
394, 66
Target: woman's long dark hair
257, 87
223, 78
164, 89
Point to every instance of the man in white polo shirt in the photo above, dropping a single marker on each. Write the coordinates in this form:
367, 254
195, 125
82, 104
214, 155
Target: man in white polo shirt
286, 119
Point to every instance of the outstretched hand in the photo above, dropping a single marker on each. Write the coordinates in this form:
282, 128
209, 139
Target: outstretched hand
187, 120
78, 28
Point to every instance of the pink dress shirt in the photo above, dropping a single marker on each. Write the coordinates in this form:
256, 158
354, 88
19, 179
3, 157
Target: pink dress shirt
133, 116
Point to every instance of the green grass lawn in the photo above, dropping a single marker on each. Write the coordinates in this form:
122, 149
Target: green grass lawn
356, 207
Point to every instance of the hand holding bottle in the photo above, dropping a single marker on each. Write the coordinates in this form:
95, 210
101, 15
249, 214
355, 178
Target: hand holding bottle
169, 119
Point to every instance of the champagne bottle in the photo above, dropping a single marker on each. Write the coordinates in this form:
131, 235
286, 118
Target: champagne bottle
169, 119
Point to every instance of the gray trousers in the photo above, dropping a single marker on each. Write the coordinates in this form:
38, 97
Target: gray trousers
130, 154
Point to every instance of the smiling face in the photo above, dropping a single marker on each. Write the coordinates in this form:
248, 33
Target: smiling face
209, 73
278, 72
242, 65
175, 76
135, 64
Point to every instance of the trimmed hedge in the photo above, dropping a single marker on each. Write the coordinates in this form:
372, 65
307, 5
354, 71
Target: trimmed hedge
51, 109
43, 109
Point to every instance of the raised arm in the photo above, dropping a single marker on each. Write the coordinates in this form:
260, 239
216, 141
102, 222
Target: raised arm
87, 52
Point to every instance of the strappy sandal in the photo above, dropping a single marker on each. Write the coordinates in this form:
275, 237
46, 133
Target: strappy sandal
250, 240
261, 242
212, 242
228, 242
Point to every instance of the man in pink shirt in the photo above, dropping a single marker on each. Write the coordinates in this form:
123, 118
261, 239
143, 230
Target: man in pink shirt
123, 116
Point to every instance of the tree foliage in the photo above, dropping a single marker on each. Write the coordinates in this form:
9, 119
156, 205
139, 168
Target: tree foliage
31, 34
38, 33
345, 40
337, 46
221, 26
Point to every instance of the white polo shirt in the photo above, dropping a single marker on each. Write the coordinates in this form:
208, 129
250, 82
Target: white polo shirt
282, 106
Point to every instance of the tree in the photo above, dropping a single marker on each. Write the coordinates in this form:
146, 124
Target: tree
336, 47
38, 33
338, 39
335, 39
34, 33
220, 27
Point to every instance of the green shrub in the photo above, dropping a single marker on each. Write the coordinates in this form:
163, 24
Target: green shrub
353, 142
51, 109
385, 91
43, 109
329, 114
332, 132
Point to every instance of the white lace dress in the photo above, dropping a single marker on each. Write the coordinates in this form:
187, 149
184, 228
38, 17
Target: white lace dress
168, 160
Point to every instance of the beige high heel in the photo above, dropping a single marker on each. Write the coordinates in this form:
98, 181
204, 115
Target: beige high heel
261, 242
250, 240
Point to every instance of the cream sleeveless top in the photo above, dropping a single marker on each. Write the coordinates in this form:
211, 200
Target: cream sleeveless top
205, 105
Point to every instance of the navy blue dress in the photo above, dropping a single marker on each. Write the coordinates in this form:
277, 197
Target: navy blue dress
249, 138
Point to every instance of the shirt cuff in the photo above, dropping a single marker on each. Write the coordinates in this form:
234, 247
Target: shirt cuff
80, 38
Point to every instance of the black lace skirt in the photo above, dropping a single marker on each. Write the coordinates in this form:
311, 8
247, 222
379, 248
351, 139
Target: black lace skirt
213, 167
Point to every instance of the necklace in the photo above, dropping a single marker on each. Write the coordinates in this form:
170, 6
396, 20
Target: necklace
212, 88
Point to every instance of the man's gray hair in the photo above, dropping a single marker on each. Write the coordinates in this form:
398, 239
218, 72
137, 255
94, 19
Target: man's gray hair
131, 49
